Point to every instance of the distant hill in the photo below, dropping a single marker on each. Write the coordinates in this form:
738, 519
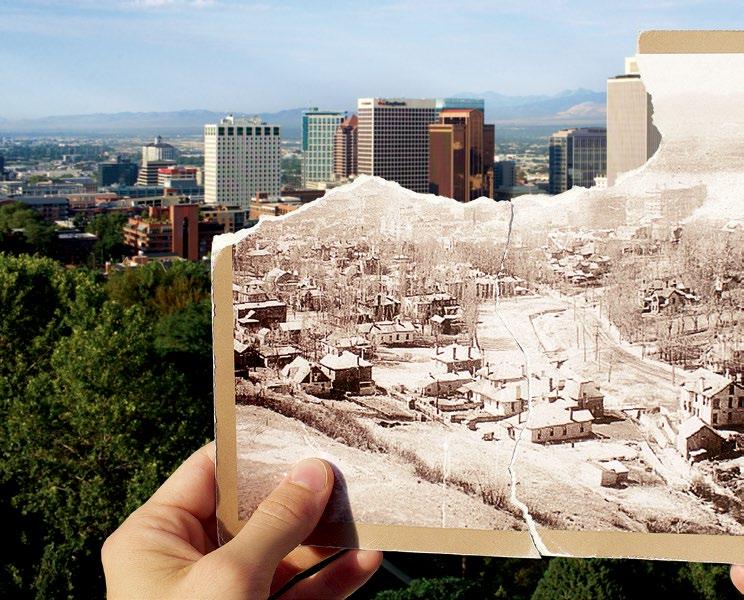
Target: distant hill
181, 121
570, 107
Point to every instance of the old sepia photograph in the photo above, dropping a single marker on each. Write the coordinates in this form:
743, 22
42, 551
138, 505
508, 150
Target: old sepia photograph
571, 361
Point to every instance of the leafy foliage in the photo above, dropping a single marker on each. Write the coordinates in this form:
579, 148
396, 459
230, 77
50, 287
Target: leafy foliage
569, 579
22, 229
624, 579
160, 290
445, 588
101, 399
108, 228
550, 579
710, 582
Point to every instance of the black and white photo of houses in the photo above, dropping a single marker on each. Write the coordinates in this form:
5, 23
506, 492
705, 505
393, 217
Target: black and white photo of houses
577, 357
424, 348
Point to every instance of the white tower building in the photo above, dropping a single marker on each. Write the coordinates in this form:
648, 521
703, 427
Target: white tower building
632, 137
242, 158
157, 151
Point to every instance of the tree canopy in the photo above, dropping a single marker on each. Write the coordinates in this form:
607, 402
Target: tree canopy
108, 228
101, 399
23, 230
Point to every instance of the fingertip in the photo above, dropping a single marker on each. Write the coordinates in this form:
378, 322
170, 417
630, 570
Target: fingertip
737, 576
313, 474
284, 519
369, 560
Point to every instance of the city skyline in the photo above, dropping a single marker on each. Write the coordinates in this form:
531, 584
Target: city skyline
149, 51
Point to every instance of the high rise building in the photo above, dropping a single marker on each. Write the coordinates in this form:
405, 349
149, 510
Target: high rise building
489, 152
458, 163
632, 138
318, 133
158, 150
242, 158
345, 142
394, 139
504, 174
120, 171
576, 157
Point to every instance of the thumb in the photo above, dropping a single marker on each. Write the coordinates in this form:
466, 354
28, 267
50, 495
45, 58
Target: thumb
737, 576
282, 521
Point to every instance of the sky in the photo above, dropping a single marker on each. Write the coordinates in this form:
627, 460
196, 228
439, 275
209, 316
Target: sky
89, 56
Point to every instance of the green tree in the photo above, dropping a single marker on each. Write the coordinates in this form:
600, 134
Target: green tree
572, 579
444, 588
22, 229
710, 582
161, 290
109, 229
100, 402
511, 578
183, 340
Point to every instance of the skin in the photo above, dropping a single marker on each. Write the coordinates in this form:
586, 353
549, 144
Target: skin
737, 576
166, 548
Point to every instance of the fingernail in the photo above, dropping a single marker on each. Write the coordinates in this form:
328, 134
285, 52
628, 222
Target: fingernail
310, 474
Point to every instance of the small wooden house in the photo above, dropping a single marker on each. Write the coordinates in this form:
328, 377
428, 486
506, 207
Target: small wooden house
349, 373
308, 377
698, 441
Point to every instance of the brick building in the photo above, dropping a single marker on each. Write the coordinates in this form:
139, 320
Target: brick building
174, 230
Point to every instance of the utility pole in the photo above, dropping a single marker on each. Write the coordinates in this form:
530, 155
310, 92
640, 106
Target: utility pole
574, 307
583, 339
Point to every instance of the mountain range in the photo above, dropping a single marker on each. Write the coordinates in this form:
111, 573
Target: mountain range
579, 106
570, 107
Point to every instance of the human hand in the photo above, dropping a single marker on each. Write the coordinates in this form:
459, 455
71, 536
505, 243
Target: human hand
166, 548
737, 576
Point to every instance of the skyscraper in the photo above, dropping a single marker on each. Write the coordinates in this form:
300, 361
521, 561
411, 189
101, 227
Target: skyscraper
318, 133
345, 143
576, 157
458, 167
489, 151
394, 139
632, 138
242, 158
504, 174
